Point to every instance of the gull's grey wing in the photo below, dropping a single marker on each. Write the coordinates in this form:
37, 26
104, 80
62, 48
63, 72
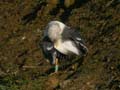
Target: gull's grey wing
74, 35
49, 51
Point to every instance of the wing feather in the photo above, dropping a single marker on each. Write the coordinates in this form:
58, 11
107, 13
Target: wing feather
74, 35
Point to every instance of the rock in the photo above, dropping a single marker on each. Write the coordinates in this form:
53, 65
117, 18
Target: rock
65, 83
52, 82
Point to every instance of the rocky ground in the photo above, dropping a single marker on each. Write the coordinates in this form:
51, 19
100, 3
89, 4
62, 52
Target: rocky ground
22, 65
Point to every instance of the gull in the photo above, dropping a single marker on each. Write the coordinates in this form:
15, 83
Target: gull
60, 40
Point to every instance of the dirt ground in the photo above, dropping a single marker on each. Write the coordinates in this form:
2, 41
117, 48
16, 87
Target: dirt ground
22, 64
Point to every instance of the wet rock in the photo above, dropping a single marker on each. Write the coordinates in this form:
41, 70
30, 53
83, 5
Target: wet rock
65, 83
52, 82
68, 2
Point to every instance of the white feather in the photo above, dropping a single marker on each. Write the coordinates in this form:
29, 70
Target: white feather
78, 38
49, 48
61, 25
66, 47
54, 30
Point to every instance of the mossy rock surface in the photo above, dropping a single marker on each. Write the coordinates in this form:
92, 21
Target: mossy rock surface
22, 64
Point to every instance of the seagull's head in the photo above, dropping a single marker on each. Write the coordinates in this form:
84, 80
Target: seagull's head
54, 30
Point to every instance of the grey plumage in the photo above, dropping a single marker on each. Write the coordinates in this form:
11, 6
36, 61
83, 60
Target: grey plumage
49, 51
74, 35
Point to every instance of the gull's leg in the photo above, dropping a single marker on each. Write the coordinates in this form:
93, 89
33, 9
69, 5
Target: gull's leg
56, 65
55, 61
